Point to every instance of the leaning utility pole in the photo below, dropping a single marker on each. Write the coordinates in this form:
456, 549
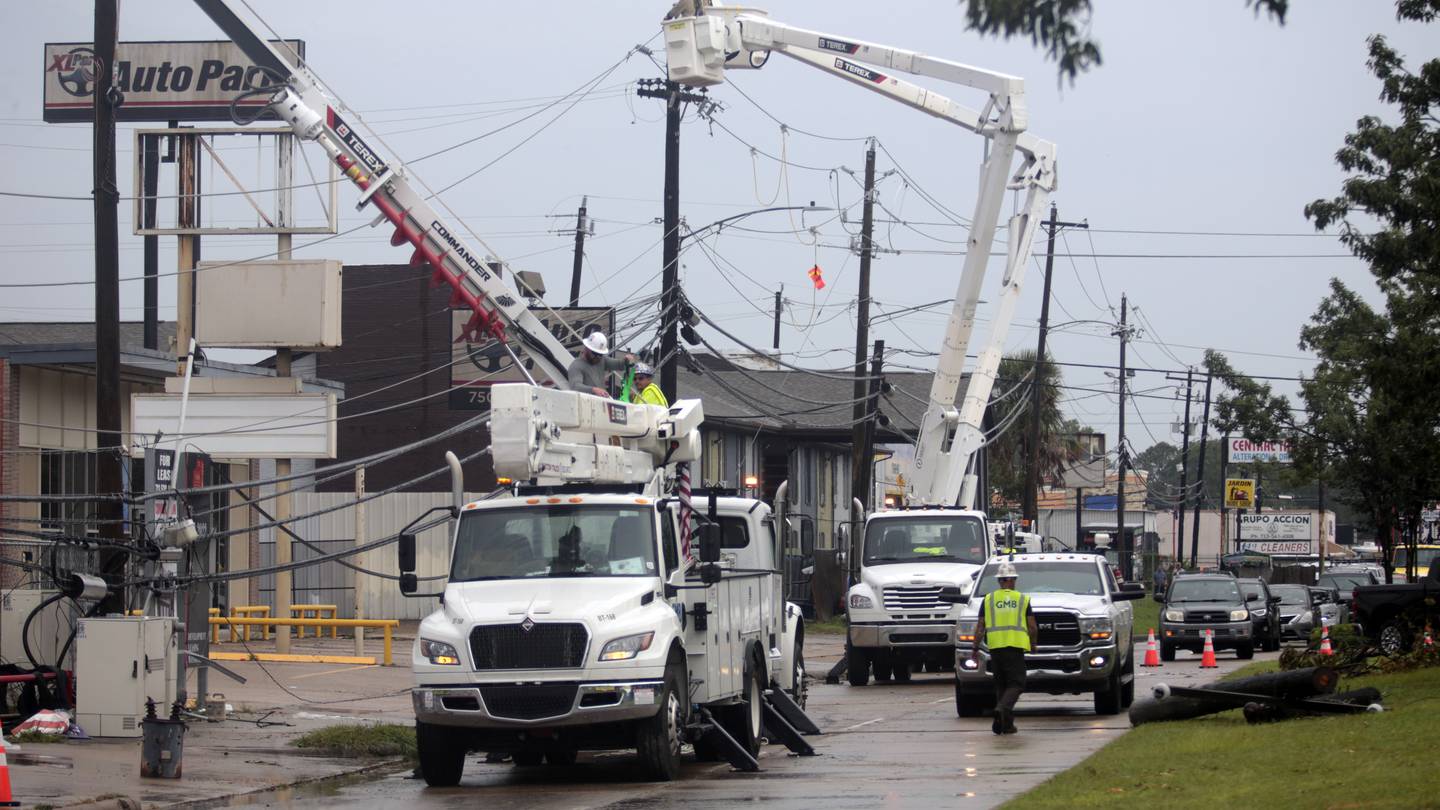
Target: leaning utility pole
1127, 549
779, 310
1200, 475
581, 225
865, 447
108, 476
1030, 497
861, 468
1184, 462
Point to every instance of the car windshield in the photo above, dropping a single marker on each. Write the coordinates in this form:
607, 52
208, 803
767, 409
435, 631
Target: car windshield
1292, 594
1047, 577
1204, 590
1345, 582
1424, 557
1252, 589
907, 539
554, 541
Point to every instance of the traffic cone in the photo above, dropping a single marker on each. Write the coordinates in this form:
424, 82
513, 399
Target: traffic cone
1325, 642
6, 798
1207, 658
1152, 655
1429, 640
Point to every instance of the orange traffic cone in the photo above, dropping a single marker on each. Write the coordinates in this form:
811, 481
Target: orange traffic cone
1152, 655
1325, 642
1429, 640
1207, 658
6, 799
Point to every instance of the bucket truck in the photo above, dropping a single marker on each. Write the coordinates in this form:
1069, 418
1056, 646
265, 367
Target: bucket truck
938, 539
576, 614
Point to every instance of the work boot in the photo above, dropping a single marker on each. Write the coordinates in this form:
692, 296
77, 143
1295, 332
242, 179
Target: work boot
998, 724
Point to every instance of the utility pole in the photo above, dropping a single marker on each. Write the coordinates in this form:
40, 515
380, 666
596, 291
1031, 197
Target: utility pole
779, 309
150, 178
861, 469
1127, 549
865, 447
1184, 462
1030, 497
1200, 475
675, 97
108, 477
582, 224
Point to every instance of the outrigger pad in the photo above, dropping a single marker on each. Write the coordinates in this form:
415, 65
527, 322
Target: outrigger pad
791, 711
838, 671
718, 738
779, 728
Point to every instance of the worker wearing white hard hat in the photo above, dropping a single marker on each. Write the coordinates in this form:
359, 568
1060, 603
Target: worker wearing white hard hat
589, 371
1007, 627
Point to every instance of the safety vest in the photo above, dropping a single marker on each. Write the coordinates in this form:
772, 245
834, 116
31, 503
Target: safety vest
652, 395
1005, 620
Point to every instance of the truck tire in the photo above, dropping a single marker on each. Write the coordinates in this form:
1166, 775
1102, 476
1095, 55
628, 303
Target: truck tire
800, 689
882, 663
971, 701
1109, 700
1127, 691
442, 754
1272, 643
564, 757
658, 738
527, 759
1395, 637
859, 669
1245, 651
900, 671
1167, 652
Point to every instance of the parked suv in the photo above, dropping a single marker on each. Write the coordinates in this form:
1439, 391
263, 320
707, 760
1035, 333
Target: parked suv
1084, 641
1264, 614
1199, 602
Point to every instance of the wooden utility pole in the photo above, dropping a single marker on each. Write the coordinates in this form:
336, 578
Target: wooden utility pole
779, 310
1127, 549
865, 449
1200, 475
582, 223
1184, 463
862, 466
284, 551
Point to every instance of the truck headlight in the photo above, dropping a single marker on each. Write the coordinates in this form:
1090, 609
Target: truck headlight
438, 652
965, 630
1174, 615
1239, 615
860, 601
1258, 613
626, 647
1097, 629
1304, 618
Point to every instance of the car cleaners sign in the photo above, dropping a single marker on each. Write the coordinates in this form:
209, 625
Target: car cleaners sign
158, 81
1246, 451
1278, 533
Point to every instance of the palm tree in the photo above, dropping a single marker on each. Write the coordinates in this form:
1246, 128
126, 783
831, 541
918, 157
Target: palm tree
1059, 444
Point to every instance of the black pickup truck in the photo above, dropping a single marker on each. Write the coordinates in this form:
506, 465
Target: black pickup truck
1391, 615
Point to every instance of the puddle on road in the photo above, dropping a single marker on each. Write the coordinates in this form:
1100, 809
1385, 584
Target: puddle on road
299, 794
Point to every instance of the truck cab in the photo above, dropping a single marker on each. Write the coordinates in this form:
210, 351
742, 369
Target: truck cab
901, 564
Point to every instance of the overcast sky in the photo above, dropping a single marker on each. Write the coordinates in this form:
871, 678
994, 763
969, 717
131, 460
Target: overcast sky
1205, 125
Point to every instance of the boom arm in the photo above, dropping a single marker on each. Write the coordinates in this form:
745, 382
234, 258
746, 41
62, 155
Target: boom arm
302, 103
699, 49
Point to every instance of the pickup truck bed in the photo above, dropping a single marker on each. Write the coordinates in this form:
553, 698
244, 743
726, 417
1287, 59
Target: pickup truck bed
1391, 614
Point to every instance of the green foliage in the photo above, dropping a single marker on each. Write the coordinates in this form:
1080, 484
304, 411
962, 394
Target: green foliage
36, 736
1059, 445
359, 741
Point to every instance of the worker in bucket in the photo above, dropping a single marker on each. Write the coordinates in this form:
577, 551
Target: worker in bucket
645, 391
1007, 626
591, 369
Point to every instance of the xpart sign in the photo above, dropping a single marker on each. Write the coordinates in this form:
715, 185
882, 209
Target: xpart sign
158, 81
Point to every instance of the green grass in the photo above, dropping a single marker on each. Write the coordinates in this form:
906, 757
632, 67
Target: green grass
1350, 761
33, 736
835, 626
1147, 615
357, 741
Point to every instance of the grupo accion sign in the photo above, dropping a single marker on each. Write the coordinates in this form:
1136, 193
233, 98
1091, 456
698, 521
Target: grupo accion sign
159, 81
1248, 451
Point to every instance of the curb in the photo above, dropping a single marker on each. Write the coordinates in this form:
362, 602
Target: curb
221, 801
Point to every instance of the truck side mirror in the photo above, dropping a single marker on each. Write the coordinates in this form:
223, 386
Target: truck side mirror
409, 583
710, 543
405, 550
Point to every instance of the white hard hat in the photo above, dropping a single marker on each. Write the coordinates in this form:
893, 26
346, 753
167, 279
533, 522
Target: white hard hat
597, 343
1006, 571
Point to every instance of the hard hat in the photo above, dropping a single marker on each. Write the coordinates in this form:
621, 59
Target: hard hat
644, 370
597, 343
1006, 571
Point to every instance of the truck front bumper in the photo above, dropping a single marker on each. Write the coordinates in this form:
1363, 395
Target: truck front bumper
1076, 670
515, 706
1191, 635
903, 634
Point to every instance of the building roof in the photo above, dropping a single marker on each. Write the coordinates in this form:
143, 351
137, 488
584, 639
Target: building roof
79, 333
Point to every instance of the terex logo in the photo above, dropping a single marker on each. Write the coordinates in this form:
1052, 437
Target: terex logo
838, 45
859, 70
354, 142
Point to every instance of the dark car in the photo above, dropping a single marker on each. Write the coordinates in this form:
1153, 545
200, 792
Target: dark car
1347, 581
1263, 613
1297, 611
1196, 603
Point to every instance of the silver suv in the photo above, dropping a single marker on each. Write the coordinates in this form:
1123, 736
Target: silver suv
1085, 625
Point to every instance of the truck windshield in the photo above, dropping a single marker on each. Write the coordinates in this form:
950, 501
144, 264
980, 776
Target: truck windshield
1345, 582
929, 539
554, 541
1204, 590
1424, 557
1048, 577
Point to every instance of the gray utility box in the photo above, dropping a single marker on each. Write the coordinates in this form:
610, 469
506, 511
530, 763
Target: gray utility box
48, 631
119, 662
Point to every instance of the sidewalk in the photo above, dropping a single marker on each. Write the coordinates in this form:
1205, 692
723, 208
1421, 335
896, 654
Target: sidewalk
247, 752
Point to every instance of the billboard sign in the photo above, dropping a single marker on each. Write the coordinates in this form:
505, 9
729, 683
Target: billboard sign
1239, 493
160, 477
1246, 451
1278, 526
474, 367
1278, 546
159, 81
242, 425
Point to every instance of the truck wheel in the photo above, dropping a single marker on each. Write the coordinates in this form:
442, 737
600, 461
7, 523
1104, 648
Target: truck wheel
527, 759
1271, 643
1127, 691
970, 701
561, 756
900, 671
1394, 638
1167, 652
658, 738
859, 669
442, 754
1245, 651
1109, 701
747, 718
882, 663
800, 691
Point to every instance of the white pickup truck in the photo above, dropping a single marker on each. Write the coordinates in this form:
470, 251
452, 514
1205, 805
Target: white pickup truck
1085, 623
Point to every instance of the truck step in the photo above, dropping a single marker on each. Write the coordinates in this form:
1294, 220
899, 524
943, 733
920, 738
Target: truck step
779, 728
725, 745
791, 711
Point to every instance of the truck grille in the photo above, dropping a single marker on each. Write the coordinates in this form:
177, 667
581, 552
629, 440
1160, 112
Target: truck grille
543, 646
1058, 629
529, 701
925, 597
1206, 616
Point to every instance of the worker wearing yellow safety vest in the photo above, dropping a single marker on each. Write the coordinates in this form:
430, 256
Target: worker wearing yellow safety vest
645, 390
1007, 627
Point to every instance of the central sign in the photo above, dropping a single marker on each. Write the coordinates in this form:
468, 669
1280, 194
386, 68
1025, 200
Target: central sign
1246, 451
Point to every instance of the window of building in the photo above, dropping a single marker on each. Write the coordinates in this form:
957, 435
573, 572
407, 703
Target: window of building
67, 472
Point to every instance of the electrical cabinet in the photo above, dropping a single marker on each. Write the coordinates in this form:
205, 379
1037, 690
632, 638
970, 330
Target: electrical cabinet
119, 662
47, 632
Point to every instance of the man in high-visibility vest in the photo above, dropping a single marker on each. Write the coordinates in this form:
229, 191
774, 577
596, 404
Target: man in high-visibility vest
645, 390
1007, 627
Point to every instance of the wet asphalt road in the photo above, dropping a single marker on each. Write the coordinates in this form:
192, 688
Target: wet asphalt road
887, 745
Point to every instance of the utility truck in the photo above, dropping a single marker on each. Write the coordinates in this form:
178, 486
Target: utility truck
575, 615
902, 558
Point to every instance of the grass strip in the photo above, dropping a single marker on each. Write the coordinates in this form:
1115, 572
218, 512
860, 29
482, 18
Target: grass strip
353, 741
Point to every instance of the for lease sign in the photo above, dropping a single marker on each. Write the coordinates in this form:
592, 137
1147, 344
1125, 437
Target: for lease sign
1291, 526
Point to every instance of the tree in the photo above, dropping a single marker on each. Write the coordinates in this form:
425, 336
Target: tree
1007, 452
1061, 26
